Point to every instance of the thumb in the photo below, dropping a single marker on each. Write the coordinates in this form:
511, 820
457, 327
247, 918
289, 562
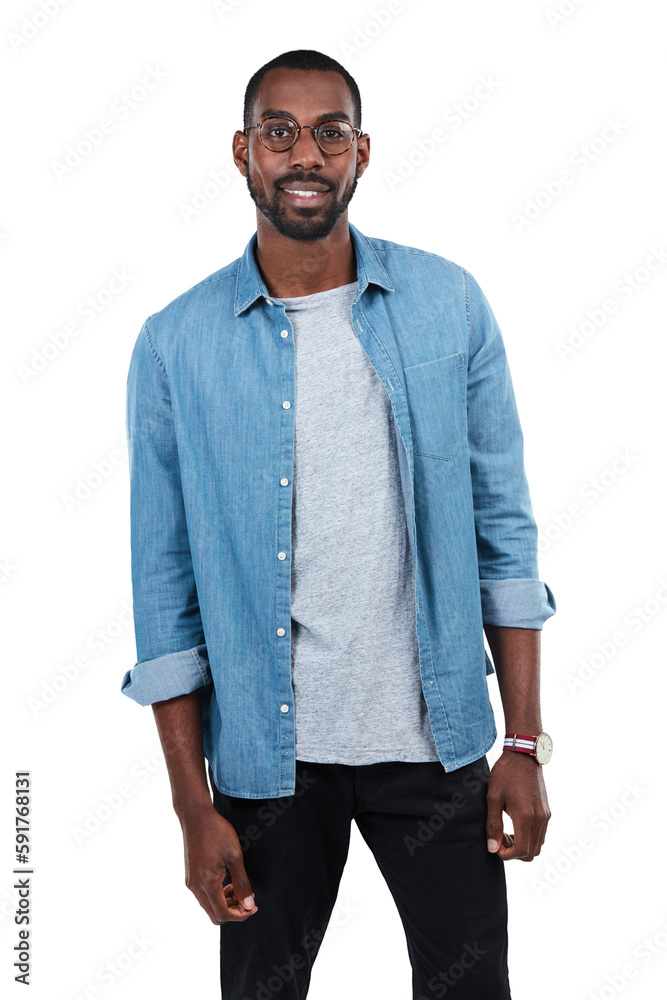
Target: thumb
241, 882
494, 827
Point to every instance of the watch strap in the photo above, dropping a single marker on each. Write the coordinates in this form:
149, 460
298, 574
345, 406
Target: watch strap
520, 742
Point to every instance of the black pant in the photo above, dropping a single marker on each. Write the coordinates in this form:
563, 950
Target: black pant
426, 829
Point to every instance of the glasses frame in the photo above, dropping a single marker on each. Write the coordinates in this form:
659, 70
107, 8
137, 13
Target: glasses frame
299, 129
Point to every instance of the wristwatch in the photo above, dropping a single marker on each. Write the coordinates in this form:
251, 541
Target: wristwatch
540, 746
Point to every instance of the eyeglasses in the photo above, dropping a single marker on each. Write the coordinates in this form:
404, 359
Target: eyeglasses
279, 134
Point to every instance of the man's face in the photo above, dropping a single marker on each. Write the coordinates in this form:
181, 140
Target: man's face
308, 97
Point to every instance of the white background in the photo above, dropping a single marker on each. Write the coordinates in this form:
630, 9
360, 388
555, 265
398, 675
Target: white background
578, 915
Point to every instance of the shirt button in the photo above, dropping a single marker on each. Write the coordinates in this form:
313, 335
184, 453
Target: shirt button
284, 708
281, 631
284, 482
270, 302
284, 333
286, 404
281, 555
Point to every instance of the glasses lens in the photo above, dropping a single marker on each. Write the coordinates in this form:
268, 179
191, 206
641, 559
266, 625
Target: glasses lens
278, 133
335, 136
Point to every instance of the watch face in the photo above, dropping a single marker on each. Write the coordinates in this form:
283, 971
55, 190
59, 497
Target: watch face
543, 748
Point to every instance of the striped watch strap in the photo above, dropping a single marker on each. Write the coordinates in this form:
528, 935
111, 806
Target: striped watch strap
520, 742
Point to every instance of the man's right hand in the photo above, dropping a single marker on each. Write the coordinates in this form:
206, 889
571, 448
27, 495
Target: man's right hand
212, 849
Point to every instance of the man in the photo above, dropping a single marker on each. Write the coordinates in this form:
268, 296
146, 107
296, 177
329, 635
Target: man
329, 510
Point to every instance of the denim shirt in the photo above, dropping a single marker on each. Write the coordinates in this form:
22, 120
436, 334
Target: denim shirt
210, 427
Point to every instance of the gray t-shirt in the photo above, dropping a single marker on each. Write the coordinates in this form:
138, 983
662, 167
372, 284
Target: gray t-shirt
355, 659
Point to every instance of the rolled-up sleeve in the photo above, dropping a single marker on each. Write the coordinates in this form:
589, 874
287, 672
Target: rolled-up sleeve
171, 650
511, 591
518, 603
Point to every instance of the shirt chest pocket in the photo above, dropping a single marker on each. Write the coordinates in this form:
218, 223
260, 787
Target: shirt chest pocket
436, 393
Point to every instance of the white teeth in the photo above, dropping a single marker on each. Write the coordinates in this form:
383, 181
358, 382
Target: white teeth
304, 194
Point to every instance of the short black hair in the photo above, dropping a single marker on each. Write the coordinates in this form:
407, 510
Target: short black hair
300, 59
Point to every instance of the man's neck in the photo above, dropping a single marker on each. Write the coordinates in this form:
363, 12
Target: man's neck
303, 267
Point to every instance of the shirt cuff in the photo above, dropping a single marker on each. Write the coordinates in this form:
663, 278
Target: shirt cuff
523, 603
167, 676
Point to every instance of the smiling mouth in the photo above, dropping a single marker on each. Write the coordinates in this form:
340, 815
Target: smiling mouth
305, 197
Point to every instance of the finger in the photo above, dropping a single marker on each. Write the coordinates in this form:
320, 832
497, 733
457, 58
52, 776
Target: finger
242, 888
533, 840
224, 901
494, 823
230, 895
219, 906
224, 906
539, 830
535, 834
233, 911
520, 847
217, 900
542, 835
200, 894
204, 889
507, 849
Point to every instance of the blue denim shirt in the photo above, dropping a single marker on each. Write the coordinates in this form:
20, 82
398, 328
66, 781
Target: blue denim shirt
210, 426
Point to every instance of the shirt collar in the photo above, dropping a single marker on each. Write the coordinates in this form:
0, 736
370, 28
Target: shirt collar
250, 287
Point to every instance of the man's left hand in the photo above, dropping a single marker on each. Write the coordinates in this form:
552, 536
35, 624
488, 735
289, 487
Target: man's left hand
516, 785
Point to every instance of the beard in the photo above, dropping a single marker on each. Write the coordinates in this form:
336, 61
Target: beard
300, 223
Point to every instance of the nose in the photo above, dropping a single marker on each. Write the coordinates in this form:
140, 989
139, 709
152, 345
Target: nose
305, 152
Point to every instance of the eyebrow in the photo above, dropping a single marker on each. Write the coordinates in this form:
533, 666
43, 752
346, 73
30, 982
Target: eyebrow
281, 113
